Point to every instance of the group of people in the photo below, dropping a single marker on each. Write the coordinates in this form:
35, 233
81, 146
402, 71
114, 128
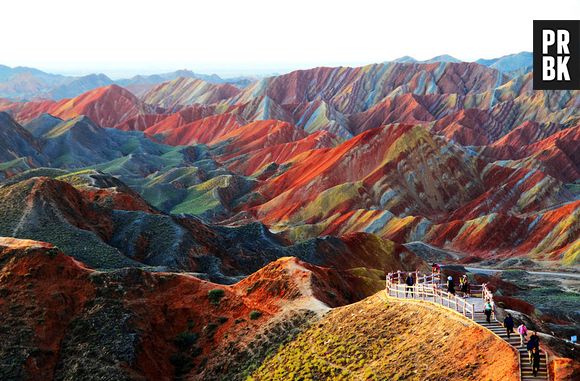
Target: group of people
463, 286
488, 307
463, 283
532, 344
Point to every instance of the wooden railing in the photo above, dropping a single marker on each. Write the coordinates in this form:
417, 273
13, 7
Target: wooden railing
399, 277
549, 376
427, 287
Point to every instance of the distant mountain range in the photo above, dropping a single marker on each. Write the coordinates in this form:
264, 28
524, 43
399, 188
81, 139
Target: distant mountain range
512, 65
28, 83
441, 58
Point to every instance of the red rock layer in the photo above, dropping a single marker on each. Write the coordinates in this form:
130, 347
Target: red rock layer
107, 106
46, 283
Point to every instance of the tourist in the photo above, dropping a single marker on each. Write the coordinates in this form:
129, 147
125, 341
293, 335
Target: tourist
508, 323
487, 310
523, 332
464, 286
409, 282
467, 287
536, 361
450, 285
533, 343
435, 268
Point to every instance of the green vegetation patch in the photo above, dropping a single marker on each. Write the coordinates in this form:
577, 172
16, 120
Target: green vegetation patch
215, 296
185, 340
21, 164
254, 315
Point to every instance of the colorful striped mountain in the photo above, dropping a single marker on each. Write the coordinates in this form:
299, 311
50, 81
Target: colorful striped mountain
457, 155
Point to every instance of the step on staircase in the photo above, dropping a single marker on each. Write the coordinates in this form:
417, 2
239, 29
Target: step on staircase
514, 341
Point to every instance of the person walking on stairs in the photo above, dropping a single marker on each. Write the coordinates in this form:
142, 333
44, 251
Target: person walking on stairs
523, 332
487, 310
536, 358
409, 282
533, 343
450, 285
508, 323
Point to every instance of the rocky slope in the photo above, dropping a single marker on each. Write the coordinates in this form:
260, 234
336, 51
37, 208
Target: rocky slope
107, 106
62, 320
186, 91
100, 221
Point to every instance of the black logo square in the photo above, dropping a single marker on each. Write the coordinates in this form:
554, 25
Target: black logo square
556, 55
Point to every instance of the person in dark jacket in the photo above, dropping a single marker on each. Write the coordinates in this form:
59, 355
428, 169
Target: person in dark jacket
450, 285
409, 282
536, 358
508, 323
533, 343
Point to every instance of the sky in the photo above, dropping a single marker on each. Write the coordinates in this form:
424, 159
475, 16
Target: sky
243, 37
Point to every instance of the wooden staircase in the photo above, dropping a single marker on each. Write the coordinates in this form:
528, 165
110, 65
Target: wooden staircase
514, 341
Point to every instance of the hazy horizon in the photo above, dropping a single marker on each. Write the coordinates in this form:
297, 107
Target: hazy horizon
256, 37
117, 73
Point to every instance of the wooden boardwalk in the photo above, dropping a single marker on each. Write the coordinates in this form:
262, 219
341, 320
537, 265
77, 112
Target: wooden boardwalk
430, 289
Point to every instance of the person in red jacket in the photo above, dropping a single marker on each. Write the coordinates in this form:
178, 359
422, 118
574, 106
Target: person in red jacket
523, 332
